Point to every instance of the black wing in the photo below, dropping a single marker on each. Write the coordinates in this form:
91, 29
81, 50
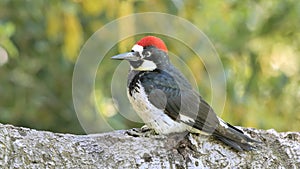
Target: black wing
176, 97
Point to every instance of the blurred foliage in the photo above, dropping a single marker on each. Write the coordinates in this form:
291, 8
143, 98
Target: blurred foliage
258, 42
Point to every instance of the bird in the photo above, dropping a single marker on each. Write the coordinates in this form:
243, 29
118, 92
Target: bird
165, 100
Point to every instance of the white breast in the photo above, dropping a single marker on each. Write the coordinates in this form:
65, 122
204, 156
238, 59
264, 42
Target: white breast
153, 117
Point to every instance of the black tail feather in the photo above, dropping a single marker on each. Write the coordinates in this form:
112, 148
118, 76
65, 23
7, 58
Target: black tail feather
235, 138
236, 145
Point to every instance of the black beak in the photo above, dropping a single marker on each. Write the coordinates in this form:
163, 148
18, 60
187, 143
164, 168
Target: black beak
130, 56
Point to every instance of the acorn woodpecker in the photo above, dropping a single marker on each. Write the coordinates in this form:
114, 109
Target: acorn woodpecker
166, 101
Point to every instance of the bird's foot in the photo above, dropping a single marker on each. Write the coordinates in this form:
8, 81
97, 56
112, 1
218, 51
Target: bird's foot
144, 131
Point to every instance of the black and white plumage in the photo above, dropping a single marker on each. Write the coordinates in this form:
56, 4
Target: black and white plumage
166, 101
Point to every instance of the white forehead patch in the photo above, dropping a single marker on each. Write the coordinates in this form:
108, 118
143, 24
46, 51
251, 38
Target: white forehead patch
138, 48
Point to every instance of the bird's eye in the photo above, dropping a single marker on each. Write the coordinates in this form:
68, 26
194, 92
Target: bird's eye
147, 54
132, 51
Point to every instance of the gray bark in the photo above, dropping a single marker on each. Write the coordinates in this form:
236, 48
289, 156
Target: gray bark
29, 148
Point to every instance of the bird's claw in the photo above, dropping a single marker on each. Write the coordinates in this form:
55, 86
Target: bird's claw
145, 128
144, 131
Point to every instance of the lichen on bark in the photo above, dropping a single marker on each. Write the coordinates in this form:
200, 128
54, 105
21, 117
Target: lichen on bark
28, 148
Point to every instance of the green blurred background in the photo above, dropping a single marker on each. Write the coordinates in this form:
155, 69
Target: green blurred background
258, 42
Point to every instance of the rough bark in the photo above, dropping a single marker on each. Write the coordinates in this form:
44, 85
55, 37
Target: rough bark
29, 148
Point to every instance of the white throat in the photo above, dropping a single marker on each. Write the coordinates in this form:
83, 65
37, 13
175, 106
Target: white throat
147, 65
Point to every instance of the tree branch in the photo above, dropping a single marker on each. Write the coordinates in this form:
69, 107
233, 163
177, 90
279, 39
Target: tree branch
29, 148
